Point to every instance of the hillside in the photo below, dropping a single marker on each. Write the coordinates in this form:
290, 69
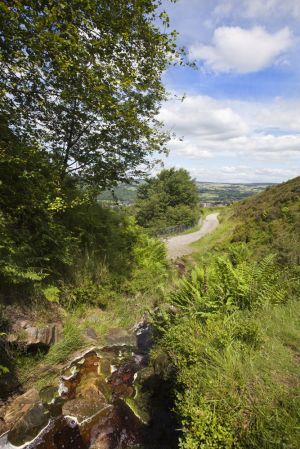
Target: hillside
271, 221
234, 342
225, 328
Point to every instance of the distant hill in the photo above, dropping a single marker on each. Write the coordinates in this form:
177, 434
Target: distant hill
209, 193
226, 193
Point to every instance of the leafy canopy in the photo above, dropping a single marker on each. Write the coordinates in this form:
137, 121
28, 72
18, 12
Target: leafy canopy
169, 198
83, 79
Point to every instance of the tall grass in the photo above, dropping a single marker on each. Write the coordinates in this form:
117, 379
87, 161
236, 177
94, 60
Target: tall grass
239, 379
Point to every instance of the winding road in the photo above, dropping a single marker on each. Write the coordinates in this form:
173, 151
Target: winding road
179, 245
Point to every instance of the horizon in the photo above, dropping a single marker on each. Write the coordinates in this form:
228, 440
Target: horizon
240, 119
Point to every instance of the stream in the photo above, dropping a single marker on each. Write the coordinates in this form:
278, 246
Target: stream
107, 398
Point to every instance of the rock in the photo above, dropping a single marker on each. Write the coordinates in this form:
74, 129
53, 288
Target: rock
93, 387
90, 333
29, 425
144, 336
30, 336
83, 408
120, 337
25, 417
21, 405
49, 394
106, 439
44, 336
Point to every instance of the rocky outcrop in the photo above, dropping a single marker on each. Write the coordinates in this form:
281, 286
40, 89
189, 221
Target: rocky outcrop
144, 336
30, 336
24, 417
120, 337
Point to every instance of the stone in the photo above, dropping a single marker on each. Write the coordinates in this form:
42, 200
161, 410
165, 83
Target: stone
30, 336
29, 425
90, 333
25, 417
21, 405
120, 337
92, 387
49, 394
144, 336
45, 336
83, 408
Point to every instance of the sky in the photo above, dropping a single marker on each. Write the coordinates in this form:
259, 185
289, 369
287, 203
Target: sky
239, 120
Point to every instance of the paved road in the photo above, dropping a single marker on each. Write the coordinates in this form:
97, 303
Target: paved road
180, 244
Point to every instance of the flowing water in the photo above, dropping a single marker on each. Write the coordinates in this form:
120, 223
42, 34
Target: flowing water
108, 398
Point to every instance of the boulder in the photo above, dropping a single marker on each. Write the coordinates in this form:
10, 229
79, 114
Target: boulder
144, 336
43, 336
32, 336
83, 408
120, 337
25, 417
29, 425
90, 333
21, 405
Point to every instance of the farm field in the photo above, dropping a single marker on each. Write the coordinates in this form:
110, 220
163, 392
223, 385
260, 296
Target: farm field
210, 193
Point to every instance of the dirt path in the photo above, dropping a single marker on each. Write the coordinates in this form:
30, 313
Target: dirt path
180, 244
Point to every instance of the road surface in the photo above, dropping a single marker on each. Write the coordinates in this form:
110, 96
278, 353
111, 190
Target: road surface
180, 244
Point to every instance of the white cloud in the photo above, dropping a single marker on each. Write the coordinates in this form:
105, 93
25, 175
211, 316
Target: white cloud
251, 131
203, 117
243, 173
241, 50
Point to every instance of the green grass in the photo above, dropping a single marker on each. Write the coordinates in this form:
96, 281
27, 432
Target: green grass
238, 371
216, 241
239, 393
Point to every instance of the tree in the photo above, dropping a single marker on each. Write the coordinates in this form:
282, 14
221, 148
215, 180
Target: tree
169, 198
32, 235
82, 78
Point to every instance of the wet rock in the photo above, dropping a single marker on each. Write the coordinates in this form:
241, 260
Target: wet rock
49, 394
106, 439
20, 406
144, 336
120, 337
29, 425
83, 408
93, 387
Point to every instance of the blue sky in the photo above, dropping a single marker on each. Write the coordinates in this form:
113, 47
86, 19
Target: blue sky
240, 119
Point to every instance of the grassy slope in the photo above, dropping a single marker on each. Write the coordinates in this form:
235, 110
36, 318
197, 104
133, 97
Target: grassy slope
238, 375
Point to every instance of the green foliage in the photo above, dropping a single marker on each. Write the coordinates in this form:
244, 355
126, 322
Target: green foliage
234, 336
33, 240
72, 340
270, 221
203, 429
83, 79
238, 378
3, 370
231, 282
150, 270
168, 199
51, 293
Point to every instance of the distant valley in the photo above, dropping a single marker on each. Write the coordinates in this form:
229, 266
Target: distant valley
210, 193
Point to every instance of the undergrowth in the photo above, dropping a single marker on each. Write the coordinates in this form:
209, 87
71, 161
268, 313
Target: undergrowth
231, 334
